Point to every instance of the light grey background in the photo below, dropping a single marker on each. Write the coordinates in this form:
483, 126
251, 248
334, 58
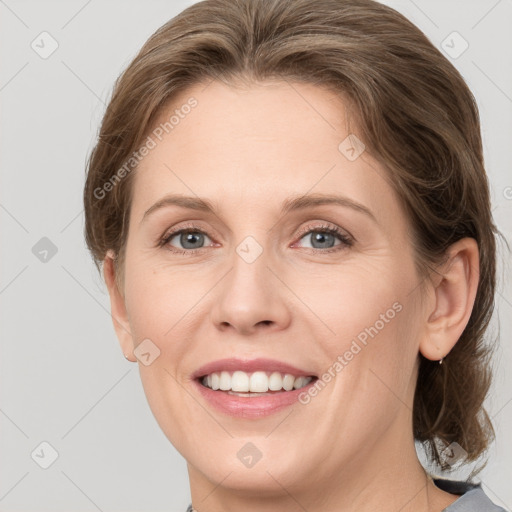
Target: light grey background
64, 380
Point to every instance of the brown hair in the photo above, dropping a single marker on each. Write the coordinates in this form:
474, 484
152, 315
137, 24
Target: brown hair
415, 115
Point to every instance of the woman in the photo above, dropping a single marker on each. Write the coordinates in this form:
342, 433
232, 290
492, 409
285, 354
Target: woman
290, 206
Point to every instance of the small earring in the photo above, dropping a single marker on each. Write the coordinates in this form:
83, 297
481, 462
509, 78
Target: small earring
441, 360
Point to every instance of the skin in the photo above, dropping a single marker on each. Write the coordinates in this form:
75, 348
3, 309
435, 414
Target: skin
247, 149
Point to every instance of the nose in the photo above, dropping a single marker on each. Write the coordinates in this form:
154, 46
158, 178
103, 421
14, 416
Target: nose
250, 298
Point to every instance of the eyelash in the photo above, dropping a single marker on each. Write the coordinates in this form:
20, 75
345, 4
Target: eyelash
346, 241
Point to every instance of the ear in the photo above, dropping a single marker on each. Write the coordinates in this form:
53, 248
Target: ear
118, 308
454, 295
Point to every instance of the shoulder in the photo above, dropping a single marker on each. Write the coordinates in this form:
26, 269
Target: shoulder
472, 497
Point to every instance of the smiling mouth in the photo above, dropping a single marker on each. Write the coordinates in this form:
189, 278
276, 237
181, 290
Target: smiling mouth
254, 384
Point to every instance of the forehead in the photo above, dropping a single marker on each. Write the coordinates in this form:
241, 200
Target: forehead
251, 144
243, 119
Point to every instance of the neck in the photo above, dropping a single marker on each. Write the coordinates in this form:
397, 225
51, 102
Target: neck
385, 477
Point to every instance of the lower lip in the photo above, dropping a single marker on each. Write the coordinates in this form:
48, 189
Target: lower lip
251, 407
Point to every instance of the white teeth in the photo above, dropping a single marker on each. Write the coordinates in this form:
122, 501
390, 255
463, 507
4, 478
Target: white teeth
225, 381
275, 382
240, 382
257, 382
300, 382
215, 381
288, 382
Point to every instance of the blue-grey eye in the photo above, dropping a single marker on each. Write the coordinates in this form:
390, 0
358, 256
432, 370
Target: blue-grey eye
189, 239
321, 239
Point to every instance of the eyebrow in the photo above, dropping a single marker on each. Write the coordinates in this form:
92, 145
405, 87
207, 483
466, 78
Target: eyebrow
291, 204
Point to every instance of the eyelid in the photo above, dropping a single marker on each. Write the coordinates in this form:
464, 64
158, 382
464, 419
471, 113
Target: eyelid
325, 226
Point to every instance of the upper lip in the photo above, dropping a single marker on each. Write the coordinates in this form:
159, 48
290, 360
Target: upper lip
250, 365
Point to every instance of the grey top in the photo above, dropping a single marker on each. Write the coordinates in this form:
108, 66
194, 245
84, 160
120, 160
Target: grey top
472, 497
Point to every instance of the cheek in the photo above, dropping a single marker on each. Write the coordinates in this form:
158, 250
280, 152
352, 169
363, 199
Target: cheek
368, 316
353, 298
159, 305
158, 300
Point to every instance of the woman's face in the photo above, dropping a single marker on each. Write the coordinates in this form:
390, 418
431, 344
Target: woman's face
263, 285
